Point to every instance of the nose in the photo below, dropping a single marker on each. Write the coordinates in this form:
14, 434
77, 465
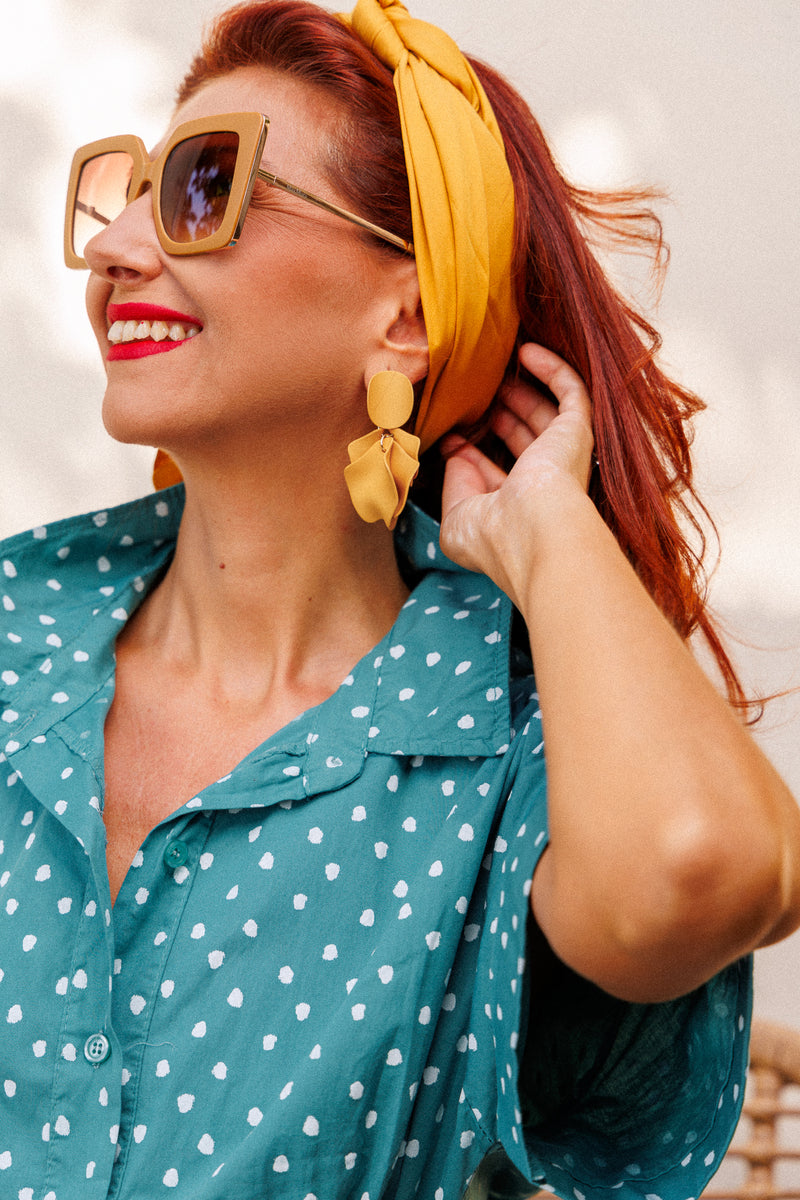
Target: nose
127, 250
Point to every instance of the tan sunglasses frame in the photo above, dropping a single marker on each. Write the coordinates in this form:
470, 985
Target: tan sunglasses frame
252, 129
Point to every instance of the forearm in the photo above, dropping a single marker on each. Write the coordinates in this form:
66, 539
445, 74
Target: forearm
674, 844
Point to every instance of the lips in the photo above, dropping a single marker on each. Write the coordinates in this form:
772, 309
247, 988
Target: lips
148, 312
137, 330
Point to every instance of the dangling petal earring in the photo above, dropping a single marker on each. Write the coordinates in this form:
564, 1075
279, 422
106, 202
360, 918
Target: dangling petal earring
165, 471
384, 463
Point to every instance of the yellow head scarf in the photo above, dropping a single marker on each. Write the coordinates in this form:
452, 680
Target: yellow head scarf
462, 205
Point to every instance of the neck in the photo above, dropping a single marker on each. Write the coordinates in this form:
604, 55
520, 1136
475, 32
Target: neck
275, 584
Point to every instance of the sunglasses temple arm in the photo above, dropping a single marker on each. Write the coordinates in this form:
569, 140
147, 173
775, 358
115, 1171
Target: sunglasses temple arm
293, 190
92, 212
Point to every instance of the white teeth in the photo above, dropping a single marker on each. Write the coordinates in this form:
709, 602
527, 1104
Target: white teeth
157, 331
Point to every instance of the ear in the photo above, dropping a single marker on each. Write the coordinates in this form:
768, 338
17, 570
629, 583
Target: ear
402, 342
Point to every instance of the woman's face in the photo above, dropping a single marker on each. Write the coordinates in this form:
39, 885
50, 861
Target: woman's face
287, 318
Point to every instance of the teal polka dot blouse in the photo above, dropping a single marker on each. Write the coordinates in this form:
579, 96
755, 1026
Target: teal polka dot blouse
319, 980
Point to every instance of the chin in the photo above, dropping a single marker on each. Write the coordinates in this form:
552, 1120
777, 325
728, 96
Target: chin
133, 428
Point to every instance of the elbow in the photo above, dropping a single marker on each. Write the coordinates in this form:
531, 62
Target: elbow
736, 882
653, 913
711, 897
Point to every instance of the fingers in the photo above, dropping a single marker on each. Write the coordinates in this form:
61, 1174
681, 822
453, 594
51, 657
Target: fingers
525, 413
517, 433
565, 383
468, 473
522, 416
468, 461
551, 439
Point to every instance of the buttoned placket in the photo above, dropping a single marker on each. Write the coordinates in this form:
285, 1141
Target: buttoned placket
82, 1045
148, 912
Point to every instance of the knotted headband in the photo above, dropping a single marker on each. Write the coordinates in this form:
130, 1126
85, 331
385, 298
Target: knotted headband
462, 206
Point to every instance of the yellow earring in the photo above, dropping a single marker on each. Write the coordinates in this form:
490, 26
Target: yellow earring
384, 463
165, 471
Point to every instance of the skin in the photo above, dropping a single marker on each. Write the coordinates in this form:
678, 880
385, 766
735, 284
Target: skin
674, 845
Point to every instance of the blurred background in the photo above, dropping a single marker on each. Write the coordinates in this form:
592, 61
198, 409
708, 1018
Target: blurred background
699, 99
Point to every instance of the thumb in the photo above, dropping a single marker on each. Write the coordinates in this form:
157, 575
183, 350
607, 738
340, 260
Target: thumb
469, 480
468, 473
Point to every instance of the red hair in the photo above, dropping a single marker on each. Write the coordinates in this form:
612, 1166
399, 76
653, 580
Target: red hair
643, 484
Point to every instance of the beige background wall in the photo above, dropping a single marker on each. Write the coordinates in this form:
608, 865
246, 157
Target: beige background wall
699, 98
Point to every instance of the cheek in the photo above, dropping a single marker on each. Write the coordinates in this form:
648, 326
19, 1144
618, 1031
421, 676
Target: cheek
294, 311
305, 267
97, 297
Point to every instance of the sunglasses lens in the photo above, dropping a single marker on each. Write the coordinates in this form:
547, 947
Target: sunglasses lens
101, 195
196, 185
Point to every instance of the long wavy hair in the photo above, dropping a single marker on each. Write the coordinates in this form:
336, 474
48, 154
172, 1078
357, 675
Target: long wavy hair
642, 484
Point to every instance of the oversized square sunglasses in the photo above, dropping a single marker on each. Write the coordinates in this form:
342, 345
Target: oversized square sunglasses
201, 185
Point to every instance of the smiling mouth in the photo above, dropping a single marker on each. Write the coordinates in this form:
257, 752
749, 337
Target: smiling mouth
140, 329
122, 332
139, 339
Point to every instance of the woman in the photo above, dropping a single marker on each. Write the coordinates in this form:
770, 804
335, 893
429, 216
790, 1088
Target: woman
267, 931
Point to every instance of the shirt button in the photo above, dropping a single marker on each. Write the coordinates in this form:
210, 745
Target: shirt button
175, 854
97, 1048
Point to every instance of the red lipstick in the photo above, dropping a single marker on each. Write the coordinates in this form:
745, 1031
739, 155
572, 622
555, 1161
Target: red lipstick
148, 312
142, 348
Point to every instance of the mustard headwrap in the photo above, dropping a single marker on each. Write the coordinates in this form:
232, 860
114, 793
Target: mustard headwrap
462, 206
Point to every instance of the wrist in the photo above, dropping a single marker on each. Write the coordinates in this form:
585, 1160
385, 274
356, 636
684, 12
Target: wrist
557, 528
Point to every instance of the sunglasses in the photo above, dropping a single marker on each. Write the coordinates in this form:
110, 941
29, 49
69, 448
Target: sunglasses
201, 184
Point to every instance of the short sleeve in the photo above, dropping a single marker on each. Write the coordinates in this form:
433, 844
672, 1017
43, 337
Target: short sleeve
593, 1095
639, 1098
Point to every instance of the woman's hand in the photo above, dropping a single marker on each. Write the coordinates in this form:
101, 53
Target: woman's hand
552, 443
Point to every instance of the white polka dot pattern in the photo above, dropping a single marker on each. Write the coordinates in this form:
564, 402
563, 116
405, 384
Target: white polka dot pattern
322, 996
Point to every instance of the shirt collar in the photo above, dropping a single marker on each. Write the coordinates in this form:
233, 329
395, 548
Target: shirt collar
70, 587
437, 683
